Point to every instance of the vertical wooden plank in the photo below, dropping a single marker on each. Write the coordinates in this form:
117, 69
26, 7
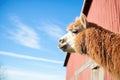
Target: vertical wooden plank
97, 72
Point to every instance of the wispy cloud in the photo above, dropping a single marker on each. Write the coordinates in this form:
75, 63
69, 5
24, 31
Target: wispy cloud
26, 75
23, 34
52, 29
30, 57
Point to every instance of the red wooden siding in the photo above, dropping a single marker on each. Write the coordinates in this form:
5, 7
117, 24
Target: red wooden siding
107, 14
74, 63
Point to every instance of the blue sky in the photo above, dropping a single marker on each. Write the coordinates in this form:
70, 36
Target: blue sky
29, 34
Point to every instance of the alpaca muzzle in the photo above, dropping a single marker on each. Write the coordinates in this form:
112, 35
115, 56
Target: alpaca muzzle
62, 44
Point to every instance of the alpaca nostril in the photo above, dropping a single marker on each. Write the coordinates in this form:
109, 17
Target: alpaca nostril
61, 40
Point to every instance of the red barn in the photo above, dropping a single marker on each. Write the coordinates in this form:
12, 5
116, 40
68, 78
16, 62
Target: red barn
107, 14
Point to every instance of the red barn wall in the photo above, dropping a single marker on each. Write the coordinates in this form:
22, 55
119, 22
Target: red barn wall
74, 63
107, 14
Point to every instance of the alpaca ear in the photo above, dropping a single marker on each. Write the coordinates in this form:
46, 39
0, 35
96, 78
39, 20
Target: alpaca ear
83, 20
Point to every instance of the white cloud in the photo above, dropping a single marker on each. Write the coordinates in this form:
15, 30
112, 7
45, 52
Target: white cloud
52, 30
30, 57
26, 75
24, 35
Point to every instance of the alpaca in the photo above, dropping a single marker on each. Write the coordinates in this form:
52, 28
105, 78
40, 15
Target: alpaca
101, 45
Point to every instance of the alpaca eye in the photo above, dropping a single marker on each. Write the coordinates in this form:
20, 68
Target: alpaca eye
75, 31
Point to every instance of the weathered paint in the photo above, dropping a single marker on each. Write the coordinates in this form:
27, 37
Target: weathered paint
107, 14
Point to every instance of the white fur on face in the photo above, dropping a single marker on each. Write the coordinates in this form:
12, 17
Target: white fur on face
68, 44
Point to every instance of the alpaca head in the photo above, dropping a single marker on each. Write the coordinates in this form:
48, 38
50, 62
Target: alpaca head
67, 42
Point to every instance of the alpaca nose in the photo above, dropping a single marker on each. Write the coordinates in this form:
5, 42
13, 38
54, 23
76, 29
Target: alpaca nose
61, 40
62, 43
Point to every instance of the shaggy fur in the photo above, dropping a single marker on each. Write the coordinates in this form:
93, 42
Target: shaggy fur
101, 45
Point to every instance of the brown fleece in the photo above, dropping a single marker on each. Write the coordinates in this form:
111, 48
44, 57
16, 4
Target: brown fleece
101, 45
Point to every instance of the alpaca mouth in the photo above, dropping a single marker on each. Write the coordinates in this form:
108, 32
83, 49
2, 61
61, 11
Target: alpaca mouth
63, 47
